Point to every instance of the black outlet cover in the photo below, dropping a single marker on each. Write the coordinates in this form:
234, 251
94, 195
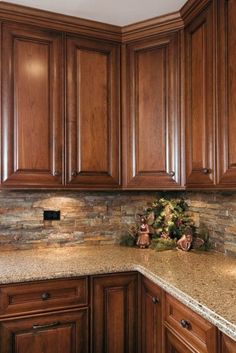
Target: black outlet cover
51, 215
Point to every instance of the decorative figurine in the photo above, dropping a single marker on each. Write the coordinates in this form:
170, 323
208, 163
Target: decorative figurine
143, 240
185, 242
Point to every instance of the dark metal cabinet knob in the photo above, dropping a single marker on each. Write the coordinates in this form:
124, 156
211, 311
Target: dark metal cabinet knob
206, 171
45, 296
74, 173
185, 324
56, 173
155, 300
172, 173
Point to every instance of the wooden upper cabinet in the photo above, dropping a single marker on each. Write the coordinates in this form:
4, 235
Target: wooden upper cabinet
226, 93
93, 122
32, 102
151, 150
199, 97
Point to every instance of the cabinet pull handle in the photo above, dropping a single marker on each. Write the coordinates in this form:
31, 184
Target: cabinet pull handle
185, 324
52, 324
155, 300
206, 171
172, 173
56, 173
74, 173
45, 296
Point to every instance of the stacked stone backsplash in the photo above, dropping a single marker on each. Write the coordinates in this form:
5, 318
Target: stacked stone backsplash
102, 217
86, 217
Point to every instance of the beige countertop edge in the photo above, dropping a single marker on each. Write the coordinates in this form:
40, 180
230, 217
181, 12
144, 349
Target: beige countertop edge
222, 324
70, 263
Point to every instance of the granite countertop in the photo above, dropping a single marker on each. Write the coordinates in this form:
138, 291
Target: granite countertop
205, 282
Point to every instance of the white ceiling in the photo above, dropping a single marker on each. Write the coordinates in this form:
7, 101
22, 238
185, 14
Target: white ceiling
117, 12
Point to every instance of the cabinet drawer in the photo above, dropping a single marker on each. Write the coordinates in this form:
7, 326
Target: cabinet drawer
190, 326
45, 295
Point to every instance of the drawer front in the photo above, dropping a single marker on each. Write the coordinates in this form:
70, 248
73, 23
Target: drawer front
46, 295
190, 326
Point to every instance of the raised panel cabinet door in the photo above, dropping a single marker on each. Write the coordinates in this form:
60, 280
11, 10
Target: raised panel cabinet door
200, 99
151, 317
53, 333
228, 345
114, 314
226, 94
92, 114
151, 136
174, 344
32, 105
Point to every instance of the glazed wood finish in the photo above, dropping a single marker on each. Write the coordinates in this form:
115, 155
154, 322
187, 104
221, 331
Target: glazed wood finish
174, 345
92, 113
190, 327
199, 95
53, 333
151, 317
43, 296
31, 107
152, 120
227, 88
114, 314
228, 345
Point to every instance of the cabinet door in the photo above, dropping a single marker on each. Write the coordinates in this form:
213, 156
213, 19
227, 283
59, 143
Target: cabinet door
31, 107
228, 345
114, 313
227, 98
93, 82
173, 344
199, 96
151, 157
54, 333
151, 317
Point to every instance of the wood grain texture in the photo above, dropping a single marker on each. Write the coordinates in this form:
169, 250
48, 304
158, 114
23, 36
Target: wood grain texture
200, 98
227, 344
68, 333
32, 107
114, 313
59, 22
43, 296
93, 124
226, 94
151, 125
200, 334
173, 344
151, 317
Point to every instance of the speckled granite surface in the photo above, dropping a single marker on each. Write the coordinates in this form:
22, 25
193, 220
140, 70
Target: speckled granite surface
205, 282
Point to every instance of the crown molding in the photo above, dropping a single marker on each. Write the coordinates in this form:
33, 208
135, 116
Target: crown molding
60, 22
171, 22
191, 8
165, 23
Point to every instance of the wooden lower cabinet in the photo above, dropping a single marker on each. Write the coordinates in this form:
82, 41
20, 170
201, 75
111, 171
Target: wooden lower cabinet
114, 313
64, 332
227, 344
151, 317
174, 345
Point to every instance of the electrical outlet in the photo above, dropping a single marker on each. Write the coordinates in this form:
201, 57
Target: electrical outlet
51, 215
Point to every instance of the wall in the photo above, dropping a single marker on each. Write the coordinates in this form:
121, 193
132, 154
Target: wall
102, 217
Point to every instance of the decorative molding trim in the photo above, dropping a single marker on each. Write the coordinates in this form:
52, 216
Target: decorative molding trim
191, 8
166, 23
154, 26
69, 24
